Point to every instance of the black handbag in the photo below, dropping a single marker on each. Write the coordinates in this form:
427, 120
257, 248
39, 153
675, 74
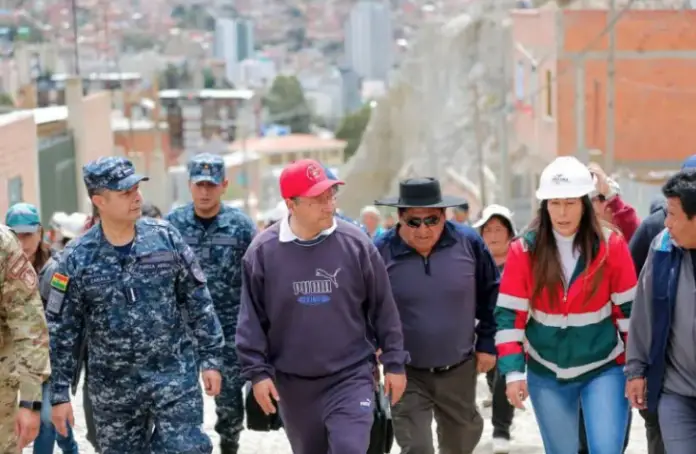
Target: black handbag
382, 434
256, 419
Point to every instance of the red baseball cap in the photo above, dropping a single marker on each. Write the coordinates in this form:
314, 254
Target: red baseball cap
304, 178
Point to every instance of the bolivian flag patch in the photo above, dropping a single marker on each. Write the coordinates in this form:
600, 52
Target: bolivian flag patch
60, 282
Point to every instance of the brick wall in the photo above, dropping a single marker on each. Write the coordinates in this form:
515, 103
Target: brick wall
655, 93
18, 158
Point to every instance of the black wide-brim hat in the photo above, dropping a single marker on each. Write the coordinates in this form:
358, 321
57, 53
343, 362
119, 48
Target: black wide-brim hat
421, 193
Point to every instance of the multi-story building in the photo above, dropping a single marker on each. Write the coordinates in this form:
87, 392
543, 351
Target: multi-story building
561, 84
274, 153
195, 117
234, 43
369, 39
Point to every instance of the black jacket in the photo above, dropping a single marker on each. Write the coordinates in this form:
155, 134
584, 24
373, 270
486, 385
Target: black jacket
648, 229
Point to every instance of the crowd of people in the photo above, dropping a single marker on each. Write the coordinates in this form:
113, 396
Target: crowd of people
586, 311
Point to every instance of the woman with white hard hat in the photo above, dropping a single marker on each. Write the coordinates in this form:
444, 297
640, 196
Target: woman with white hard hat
497, 230
563, 310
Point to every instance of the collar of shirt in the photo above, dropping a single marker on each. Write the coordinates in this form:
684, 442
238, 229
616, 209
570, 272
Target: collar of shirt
399, 247
286, 235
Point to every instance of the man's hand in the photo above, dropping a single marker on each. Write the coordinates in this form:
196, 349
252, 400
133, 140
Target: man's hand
212, 382
484, 362
394, 386
602, 183
517, 393
378, 353
62, 416
636, 391
27, 424
263, 392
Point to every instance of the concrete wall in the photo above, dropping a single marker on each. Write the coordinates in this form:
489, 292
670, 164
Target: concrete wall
18, 158
90, 120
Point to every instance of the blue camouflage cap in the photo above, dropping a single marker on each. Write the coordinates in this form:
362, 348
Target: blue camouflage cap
206, 167
23, 218
112, 173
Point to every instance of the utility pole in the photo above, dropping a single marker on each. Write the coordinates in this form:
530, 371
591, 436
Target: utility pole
502, 117
245, 129
611, 93
479, 144
76, 36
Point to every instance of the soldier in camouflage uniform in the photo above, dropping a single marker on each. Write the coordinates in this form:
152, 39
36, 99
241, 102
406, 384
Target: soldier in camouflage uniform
24, 364
219, 235
125, 282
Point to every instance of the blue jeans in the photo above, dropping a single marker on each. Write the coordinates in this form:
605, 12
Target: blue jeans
677, 415
557, 409
48, 436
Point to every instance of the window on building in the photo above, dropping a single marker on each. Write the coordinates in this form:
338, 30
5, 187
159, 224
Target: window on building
14, 190
275, 160
519, 81
549, 94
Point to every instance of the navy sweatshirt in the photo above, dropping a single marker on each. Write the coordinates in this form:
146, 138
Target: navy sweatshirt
441, 297
307, 310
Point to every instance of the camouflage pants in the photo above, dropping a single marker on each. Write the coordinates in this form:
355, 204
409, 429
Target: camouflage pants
229, 405
124, 406
8, 403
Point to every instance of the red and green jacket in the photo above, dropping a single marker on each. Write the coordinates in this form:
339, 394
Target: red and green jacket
579, 334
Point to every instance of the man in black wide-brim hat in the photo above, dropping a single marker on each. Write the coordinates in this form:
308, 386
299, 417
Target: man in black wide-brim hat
443, 278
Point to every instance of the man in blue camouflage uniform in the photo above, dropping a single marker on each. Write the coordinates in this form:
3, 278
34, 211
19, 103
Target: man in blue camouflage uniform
125, 282
219, 235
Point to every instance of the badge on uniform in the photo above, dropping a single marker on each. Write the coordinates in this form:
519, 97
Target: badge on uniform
55, 302
193, 265
60, 282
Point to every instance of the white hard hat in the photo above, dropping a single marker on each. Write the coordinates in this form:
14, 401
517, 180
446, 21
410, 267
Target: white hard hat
565, 178
58, 219
74, 225
494, 210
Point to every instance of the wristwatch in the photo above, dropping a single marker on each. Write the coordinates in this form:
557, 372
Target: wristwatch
33, 406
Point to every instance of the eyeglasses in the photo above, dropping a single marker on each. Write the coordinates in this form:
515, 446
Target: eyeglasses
428, 221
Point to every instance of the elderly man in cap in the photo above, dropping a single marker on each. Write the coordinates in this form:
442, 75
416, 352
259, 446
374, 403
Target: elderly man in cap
444, 279
125, 283
460, 213
315, 294
219, 235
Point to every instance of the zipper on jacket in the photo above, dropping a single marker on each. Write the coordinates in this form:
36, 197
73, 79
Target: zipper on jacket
426, 265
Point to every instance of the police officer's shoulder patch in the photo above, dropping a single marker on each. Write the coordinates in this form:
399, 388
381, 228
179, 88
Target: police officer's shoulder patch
193, 265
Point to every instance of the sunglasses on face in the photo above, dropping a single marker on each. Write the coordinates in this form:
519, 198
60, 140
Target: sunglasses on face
428, 221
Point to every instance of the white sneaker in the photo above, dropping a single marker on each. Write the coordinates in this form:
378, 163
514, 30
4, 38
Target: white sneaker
501, 446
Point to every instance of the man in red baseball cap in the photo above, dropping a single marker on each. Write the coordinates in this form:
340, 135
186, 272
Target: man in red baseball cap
310, 196
315, 292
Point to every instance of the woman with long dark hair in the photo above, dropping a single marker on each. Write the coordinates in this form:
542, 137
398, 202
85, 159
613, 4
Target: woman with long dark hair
566, 298
23, 219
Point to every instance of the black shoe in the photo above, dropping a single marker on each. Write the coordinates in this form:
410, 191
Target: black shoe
228, 448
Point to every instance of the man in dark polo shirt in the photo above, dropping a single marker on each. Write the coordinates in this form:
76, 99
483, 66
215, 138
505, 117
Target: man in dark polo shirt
315, 293
444, 279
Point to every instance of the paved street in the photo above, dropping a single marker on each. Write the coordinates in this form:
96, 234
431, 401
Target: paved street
525, 433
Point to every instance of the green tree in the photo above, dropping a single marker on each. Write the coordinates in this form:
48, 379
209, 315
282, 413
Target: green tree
287, 105
208, 78
352, 128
